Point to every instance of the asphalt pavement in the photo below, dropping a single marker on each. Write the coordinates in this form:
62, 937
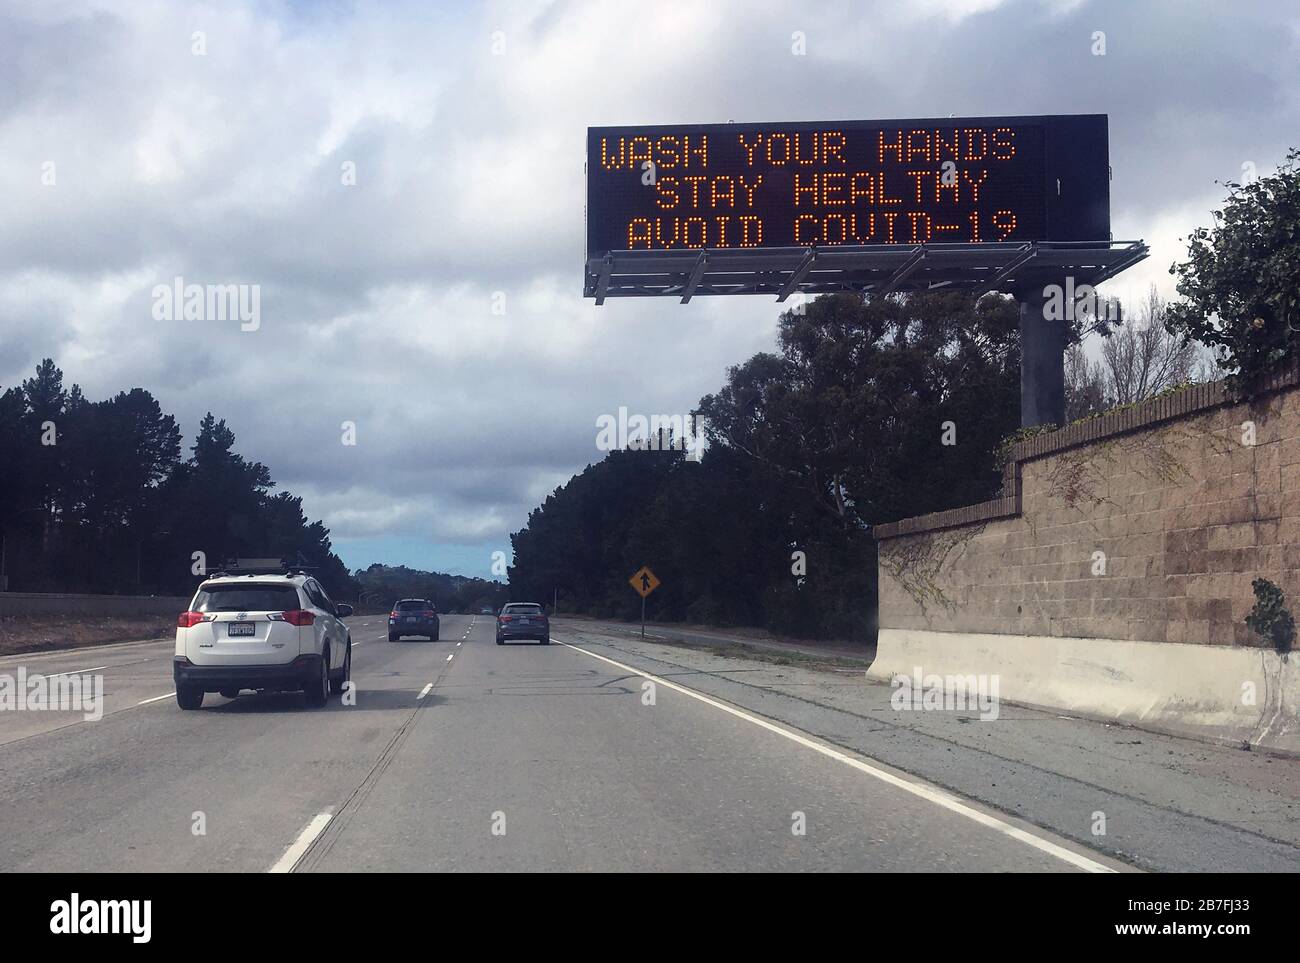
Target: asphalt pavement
588, 754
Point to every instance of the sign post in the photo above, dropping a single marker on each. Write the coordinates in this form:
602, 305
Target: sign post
1042, 361
644, 582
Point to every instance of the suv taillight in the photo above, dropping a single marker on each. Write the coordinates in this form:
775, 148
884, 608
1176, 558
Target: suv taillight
298, 617
427, 615
506, 618
188, 620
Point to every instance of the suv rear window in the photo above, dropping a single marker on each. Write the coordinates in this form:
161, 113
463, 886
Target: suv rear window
254, 597
524, 609
414, 605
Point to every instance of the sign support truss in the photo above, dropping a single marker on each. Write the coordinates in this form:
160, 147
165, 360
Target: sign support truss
878, 268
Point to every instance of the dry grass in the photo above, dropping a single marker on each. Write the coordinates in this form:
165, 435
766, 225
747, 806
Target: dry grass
42, 633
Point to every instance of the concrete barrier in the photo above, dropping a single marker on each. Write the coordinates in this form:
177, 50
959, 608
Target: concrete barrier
41, 603
1231, 695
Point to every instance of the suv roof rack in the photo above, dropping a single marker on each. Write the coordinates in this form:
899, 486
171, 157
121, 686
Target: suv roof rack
263, 566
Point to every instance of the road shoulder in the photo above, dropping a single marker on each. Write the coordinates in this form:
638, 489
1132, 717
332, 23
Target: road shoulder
1159, 801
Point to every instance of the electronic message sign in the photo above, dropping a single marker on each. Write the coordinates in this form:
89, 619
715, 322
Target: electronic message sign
810, 184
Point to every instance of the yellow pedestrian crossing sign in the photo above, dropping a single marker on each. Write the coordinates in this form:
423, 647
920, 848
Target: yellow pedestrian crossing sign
644, 581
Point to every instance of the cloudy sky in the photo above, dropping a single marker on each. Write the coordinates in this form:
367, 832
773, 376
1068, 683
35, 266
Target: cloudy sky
141, 141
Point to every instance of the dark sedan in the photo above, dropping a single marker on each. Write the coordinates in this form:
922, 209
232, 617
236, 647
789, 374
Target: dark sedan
523, 620
413, 617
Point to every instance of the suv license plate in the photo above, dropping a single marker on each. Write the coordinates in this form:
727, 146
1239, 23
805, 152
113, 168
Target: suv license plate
240, 628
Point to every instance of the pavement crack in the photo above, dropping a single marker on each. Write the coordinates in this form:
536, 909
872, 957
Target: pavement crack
356, 799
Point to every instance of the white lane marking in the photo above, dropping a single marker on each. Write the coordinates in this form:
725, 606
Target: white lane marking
459, 644
449, 655
926, 792
425, 691
26, 658
55, 675
145, 702
35, 670
289, 860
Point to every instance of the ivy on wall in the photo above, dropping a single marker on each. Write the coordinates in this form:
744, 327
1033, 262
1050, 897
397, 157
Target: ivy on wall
915, 561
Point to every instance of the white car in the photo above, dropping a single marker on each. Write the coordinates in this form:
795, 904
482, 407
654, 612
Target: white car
276, 632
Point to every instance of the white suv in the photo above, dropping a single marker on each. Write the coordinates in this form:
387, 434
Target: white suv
275, 632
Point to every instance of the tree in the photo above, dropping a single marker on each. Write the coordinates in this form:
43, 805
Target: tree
1238, 283
16, 494
857, 407
388, 583
575, 541
842, 428
116, 450
1142, 357
221, 495
110, 506
1085, 385
14, 484
46, 401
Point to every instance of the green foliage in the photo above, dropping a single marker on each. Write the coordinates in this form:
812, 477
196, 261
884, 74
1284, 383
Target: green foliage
1239, 281
852, 410
1004, 449
451, 593
1002, 454
1270, 618
719, 533
113, 507
810, 447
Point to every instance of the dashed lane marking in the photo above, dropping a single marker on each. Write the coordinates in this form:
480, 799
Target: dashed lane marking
289, 860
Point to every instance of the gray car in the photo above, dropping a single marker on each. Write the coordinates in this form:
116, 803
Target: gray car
413, 617
523, 620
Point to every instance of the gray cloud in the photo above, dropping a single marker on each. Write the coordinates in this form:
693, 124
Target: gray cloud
377, 298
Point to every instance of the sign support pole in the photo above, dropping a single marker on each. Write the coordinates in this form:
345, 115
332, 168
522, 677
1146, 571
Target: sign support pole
643, 616
1042, 361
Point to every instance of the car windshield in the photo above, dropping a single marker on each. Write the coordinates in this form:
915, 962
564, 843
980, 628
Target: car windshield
530, 609
413, 605
256, 597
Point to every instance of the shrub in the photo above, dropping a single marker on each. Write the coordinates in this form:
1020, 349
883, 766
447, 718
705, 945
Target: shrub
1239, 282
1270, 618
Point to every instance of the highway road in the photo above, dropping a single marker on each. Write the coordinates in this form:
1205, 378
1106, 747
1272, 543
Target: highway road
464, 755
